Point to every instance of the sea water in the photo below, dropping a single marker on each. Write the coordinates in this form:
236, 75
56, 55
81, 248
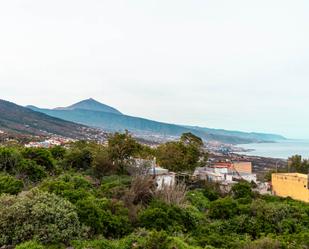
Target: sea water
281, 149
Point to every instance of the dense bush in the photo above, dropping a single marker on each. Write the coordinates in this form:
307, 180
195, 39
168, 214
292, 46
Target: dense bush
161, 216
30, 245
10, 185
37, 215
72, 187
9, 159
41, 156
242, 190
104, 217
198, 199
29, 169
224, 208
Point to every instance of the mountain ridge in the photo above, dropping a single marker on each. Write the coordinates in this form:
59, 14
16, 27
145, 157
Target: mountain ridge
15, 119
112, 121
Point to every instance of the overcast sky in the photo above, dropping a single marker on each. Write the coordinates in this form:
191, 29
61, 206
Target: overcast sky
241, 65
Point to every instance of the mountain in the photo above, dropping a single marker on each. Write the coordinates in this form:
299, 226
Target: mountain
245, 135
15, 119
90, 112
91, 105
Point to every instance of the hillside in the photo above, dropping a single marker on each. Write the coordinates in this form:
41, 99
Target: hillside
15, 119
86, 113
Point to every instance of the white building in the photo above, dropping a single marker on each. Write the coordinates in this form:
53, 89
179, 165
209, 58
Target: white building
223, 173
163, 176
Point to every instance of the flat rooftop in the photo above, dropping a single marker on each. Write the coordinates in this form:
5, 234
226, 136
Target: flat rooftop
292, 175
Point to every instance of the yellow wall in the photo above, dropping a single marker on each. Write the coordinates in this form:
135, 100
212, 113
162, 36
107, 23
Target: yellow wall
290, 185
243, 167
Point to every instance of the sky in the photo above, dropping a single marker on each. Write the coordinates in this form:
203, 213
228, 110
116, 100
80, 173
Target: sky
239, 65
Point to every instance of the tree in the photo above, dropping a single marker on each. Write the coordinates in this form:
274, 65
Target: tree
121, 146
102, 164
297, 164
183, 155
79, 158
189, 138
41, 156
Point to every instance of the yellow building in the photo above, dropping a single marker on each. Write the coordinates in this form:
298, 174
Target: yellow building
292, 185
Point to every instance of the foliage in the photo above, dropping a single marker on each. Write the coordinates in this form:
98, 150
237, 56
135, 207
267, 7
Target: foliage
79, 157
103, 216
37, 215
121, 146
9, 159
29, 169
58, 152
171, 218
298, 164
10, 185
198, 199
41, 156
30, 245
115, 186
224, 208
72, 187
264, 243
242, 190
102, 164
183, 155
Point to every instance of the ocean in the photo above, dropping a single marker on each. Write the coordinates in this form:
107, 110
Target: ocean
282, 149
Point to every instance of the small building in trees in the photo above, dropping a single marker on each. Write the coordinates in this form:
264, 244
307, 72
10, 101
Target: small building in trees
162, 176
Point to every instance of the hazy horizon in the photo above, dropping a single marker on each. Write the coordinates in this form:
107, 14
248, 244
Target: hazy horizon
237, 65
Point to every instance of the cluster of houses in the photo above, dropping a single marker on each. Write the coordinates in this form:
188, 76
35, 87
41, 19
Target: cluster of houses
293, 185
224, 173
53, 141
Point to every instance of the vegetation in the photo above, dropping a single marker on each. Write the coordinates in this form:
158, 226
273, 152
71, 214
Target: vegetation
88, 196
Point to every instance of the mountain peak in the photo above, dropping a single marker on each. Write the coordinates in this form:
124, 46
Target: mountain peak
91, 105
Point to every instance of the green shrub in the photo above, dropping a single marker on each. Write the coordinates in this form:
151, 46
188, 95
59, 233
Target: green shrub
264, 243
198, 199
72, 187
58, 152
37, 215
10, 185
94, 244
79, 158
41, 156
30, 170
30, 245
104, 217
242, 190
115, 186
161, 216
223, 208
143, 239
9, 159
